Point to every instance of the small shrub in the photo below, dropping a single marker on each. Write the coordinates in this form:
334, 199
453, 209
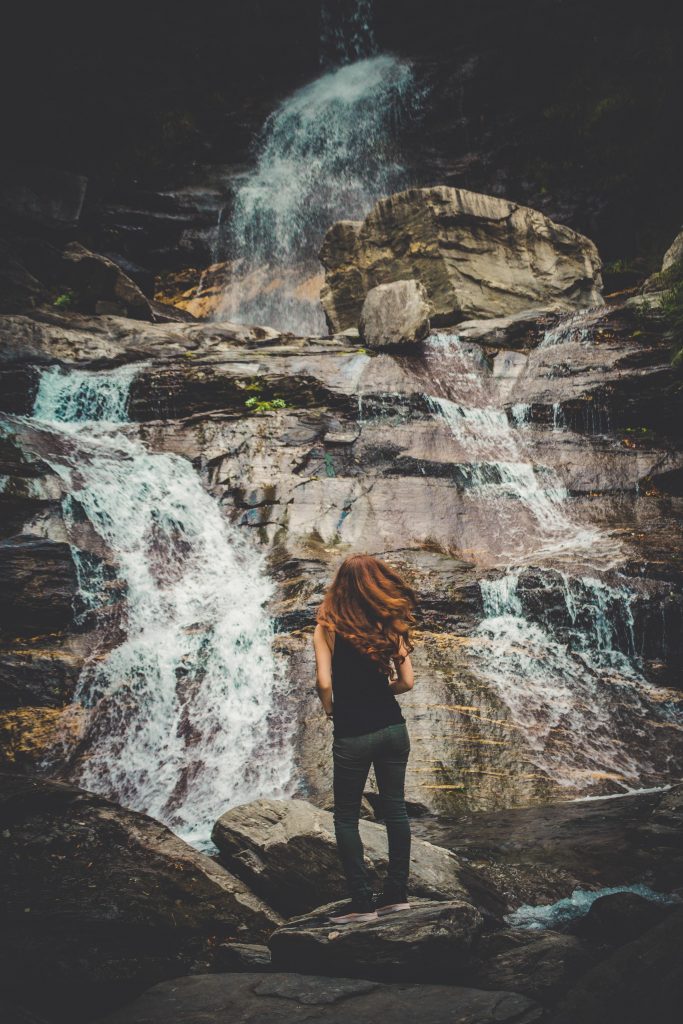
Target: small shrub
64, 301
261, 405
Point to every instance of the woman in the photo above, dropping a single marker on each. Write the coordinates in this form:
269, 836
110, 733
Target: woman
362, 651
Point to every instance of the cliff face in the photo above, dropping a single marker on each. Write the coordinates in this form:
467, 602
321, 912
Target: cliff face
565, 107
527, 483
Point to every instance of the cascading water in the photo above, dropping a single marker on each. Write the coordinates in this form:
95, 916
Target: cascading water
326, 153
496, 470
586, 710
572, 681
179, 715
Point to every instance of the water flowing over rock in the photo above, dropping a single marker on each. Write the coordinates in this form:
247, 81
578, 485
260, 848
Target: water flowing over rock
474, 470
395, 314
476, 255
177, 712
327, 151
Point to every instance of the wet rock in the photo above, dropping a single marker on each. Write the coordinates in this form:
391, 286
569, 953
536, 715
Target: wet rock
540, 854
291, 998
243, 956
395, 314
101, 902
40, 585
101, 286
620, 917
660, 840
539, 964
476, 255
30, 736
286, 850
641, 981
429, 942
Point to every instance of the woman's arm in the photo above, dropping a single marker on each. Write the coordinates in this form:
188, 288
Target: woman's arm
405, 679
323, 668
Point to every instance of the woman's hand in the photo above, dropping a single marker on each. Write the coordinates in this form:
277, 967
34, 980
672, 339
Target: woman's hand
405, 678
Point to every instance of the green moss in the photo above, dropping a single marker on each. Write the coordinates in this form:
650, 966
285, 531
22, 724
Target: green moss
65, 300
261, 405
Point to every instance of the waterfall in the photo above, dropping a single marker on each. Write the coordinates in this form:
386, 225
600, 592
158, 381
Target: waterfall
180, 716
561, 653
328, 152
496, 468
586, 711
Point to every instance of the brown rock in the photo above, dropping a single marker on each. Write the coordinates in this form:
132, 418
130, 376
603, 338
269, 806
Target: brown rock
100, 902
395, 314
477, 256
101, 286
429, 942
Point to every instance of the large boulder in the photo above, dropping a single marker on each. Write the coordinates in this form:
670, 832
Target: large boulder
476, 255
100, 902
640, 981
293, 998
101, 286
395, 314
541, 964
286, 851
429, 942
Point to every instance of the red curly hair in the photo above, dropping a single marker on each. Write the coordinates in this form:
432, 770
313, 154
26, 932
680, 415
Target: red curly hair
371, 606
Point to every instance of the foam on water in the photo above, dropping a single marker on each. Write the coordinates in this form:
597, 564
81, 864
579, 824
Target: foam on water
180, 714
579, 903
586, 711
496, 463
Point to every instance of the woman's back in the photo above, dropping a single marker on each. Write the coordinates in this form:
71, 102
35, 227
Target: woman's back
363, 701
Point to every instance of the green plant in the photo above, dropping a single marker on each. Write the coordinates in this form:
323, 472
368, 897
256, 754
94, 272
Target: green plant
65, 300
261, 405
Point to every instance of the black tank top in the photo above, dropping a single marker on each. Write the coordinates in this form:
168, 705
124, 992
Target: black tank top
362, 699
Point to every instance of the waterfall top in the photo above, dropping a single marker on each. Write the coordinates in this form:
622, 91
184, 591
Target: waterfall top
362, 699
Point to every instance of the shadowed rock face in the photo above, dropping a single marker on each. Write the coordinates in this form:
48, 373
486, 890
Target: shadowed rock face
477, 256
101, 902
293, 997
428, 942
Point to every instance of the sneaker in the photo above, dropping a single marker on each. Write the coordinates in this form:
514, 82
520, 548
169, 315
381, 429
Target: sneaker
391, 902
356, 912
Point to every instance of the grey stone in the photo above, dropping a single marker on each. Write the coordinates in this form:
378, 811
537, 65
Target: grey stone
286, 850
429, 942
219, 998
395, 314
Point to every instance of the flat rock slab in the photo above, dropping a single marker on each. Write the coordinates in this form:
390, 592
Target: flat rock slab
285, 998
429, 942
286, 851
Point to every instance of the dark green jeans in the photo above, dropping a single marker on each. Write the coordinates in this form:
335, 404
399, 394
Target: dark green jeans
387, 749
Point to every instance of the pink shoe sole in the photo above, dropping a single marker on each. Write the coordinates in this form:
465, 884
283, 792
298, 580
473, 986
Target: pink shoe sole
354, 918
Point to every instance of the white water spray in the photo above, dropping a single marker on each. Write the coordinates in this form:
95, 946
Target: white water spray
327, 152
578, 694
180, 715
